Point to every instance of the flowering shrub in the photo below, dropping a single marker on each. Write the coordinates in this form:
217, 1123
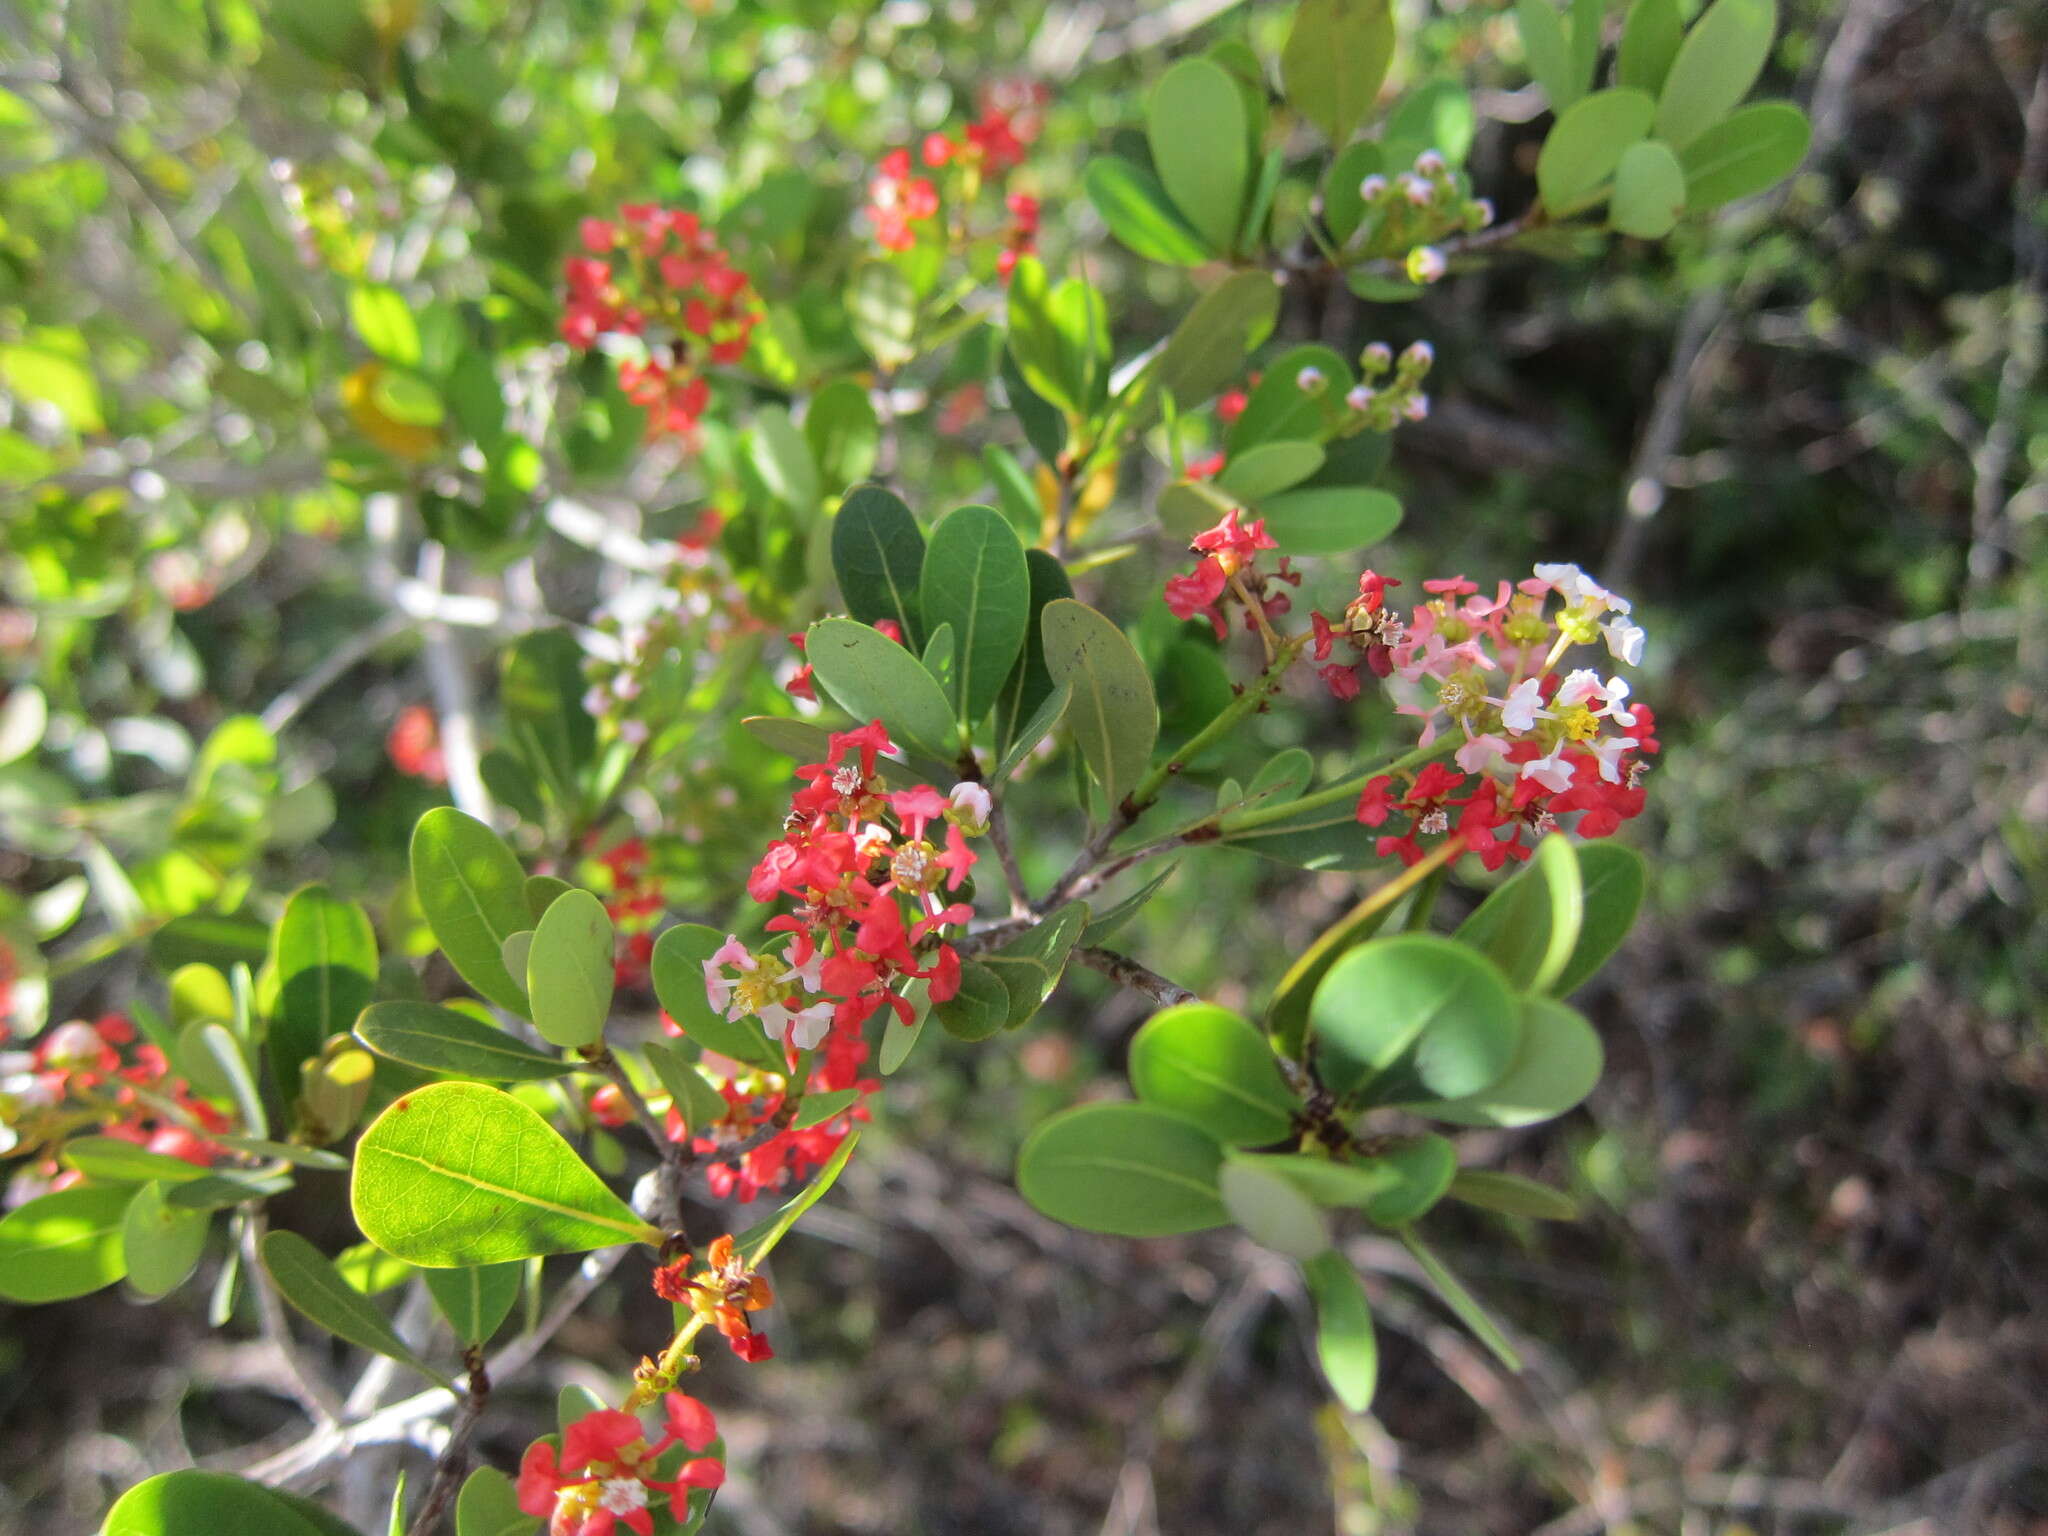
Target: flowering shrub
990, 774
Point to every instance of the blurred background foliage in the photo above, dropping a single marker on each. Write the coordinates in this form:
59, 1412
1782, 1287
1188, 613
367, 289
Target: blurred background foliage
1808, 436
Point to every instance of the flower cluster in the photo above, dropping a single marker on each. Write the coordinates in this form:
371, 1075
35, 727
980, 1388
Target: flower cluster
635, 905
1228, 569
1410, 211
902, 200
722, 1296
98, 1078
608, 1472
658, 287
1534, 742
1389, 388
414, 745
756, 1114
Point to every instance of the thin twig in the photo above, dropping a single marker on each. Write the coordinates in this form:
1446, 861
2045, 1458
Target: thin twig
1006, 856
453, 1465
1126, 972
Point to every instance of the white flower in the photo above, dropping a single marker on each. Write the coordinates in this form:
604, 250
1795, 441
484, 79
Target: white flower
1552, 772
1481, 753
1616, 706
810, 1026
1624, 641
1523, 706
1608, 752
969, 807
1580, 687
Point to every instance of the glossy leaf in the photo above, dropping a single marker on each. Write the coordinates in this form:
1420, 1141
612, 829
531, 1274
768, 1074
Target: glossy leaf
324, 952
695, 1100
844, 434
1105, 924
1031, 964
1650, 40
1558, 1058
1335, 61
1266, 469
1210, 1065
678, 974
473, 894
1415, 999
111, 1159
1345, 1342
306, 1278
1462, 1302
1196, 127
1420, 1170
488, 1505
877, 553
979, 1009
193, 1503
1330, 519
453, 1044
1058, 337
1748, 152
1612, 880
457, 1173
224, 1056
1139, 212
1022, 706
1717, 63
1530, 925
160, 1242
475, 1299
217, 1191
975, 579
64, 1244
1649, 191
1271, 1211
282, 1151
1343, 208
758, 1241
1207, 350
1129, 1169
1586, 143
820, 1107
1113, 714
569, 971
871, 677
1512, 1195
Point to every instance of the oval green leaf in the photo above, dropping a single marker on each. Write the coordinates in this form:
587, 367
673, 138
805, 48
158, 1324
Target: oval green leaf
1557, 1061
1273, 1212
1330, 519
1031, 964
1195, 124
871, 677
1440, 1010
1266, 469
473, 893
1584, 146
569, 971
454, 1044
1650, 39
1745, 153
1612, 880
975, 579
1717, 63
1345, 1342
111, 1159
1549, 53
475, 1299
1649, 191
1421, 1171
64, 1244
1210, 1065
1335, 60
324, 952
1128, 1169
877, 553
1512, 1195
1113, 713
489, 1506
457, 1173
189, 1503
979, 1009
1140, 214
307, 1279
161, 1242
1530, 925
678, 974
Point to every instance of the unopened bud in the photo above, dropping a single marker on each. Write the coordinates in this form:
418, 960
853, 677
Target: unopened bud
1417, 356
1426, 264
1378, 357
1479, 213
969, 808
1430, 163
1372, 189
1415, 407
1417, 191
1309, 380
1361, 397
334, 1090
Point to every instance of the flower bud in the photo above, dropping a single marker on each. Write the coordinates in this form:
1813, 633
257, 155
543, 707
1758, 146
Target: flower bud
1372, 189
969, 808
1309, 380
1478, 213
1418, 192
1415, 407
1426, 264
1430, 163
1417, 356
334, 1090
1378, 357
1361, 397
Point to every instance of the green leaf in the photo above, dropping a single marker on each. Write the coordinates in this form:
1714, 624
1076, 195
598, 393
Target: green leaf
820, 1107
324, 952
371, 1270
1549, 53
1031, 964
805, 742
871, 677
541, 891
781, 456
1113, 713
569, 971
1128, 1169
695, 1100
1586, 143
309, 1281
1210, 1064
1025, 704
1332, 1182
542, 688
1718, 62
1462, 1302
193, 1503
1268, 468
1140, 214
757, 1242
1557, 1060
1415, 999
881, 307
1330, 519
979, 1009
1650, 39
1104, 926
678, 973
217, 1191
1438, 115
1421, 1170
1343, 208
975, 578
475, 1299
113, 1160
65, 1244
63, 384
1512, 1195
1612, 880
1207, 350
385, 322
1200, 140
844, 434
1649, 191
489, 1506
223, 1053
1335, 61
453, 1044
1272, 1212
283, 1151
1585, 33
1748, 152
1059, 337
1530, 925
877, 553
1345, 1342
473, 893
457, 1173
160, 1242
1287, 1014
1278, 409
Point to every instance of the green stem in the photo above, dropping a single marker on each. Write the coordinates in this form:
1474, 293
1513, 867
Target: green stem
1266, 685
1344, 789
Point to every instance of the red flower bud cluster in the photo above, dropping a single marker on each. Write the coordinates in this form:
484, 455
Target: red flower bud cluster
1229, 553
900, 199
656, 276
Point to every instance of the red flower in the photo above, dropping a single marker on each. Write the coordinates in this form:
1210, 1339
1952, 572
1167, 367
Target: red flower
604, 1478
